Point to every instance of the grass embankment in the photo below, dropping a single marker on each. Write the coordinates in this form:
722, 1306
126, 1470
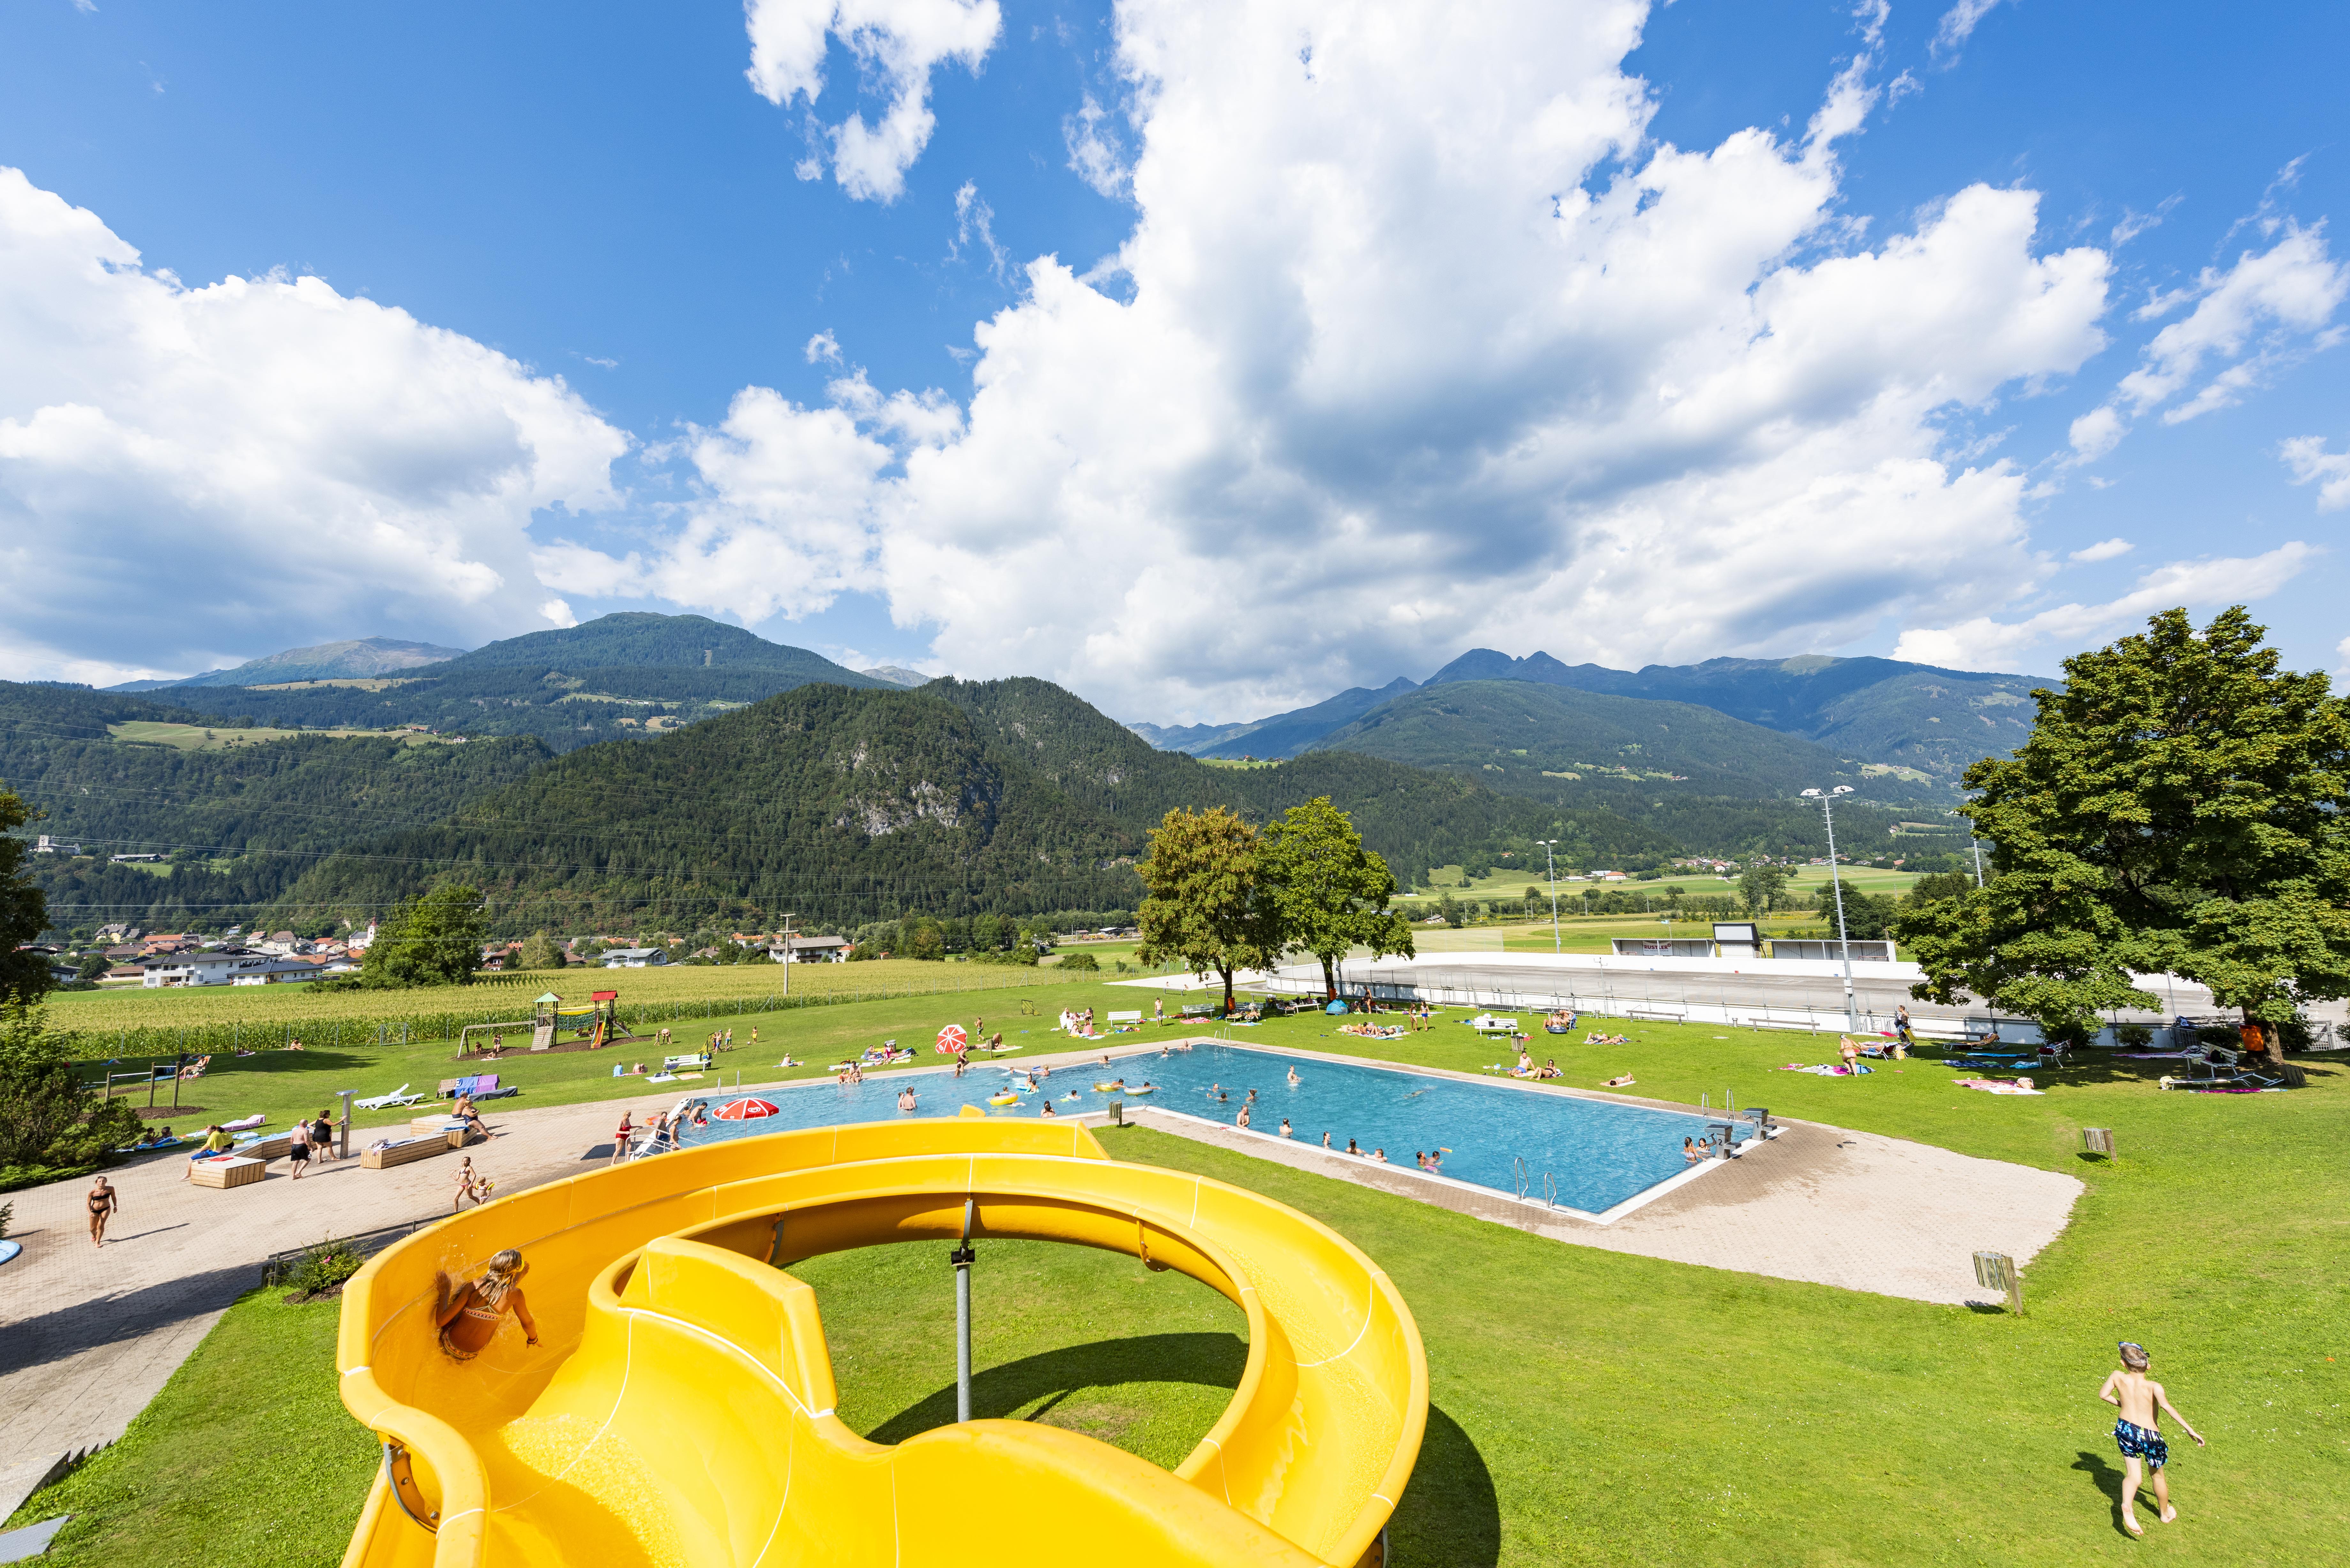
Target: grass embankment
1588, 1405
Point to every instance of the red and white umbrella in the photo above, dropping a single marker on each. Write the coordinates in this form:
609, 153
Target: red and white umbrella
953, 1040
744, 1110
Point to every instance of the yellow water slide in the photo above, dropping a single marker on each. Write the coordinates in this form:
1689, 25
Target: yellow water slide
679, 1408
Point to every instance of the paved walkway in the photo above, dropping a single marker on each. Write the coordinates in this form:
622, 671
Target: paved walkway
87, 1337
1815, 1203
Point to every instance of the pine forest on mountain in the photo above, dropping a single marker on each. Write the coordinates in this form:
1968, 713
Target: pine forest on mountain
778, 782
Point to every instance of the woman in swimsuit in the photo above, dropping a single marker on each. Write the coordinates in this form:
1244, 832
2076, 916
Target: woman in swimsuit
103, 1201
322, 1138
469, 1312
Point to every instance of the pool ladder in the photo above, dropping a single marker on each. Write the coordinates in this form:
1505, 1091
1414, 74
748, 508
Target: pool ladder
1522, 1175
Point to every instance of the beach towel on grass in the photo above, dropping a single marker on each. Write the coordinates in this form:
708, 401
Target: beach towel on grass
1995, 1086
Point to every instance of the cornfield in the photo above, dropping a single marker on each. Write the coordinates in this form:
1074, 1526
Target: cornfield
125, 1025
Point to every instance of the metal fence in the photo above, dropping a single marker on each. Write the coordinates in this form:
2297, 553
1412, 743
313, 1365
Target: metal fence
367, 1243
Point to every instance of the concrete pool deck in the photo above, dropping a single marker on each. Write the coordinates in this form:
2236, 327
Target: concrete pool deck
87, 1337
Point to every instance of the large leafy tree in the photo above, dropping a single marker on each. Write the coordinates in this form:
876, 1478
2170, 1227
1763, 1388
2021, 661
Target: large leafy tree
23, 914
2179, 808
47, 1116
1207, 902
1331, 894
1759, 886
433, 940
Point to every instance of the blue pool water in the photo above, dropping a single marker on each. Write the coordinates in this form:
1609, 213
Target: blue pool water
1597, 1153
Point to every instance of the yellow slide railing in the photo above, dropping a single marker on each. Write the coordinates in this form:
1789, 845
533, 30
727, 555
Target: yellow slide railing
679, 1408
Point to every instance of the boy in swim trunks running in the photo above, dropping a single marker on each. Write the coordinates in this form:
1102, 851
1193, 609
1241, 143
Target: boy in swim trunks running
2137, 1397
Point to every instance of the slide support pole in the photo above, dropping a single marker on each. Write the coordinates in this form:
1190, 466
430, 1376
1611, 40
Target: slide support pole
961, 1259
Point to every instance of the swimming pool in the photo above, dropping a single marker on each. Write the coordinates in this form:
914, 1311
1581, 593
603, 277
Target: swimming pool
1597, 1153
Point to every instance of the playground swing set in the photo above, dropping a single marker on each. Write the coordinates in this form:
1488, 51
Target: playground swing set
598, 1023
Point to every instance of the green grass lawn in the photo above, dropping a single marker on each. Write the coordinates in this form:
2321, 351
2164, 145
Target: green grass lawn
246, 1455
1587, 1406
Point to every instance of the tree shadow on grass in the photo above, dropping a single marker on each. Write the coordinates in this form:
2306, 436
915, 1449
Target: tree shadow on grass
1216, 1360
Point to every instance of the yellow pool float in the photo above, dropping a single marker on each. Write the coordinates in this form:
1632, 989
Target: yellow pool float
1006, 1098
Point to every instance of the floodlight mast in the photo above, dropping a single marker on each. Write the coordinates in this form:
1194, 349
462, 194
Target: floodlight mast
1552, 862
1827, 810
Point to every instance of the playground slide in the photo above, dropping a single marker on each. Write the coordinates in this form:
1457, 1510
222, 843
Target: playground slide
679, 1410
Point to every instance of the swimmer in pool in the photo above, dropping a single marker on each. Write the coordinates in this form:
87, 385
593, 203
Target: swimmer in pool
1284, 1127
1293, 1077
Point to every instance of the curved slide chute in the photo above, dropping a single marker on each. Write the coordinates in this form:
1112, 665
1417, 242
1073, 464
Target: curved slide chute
679, 1409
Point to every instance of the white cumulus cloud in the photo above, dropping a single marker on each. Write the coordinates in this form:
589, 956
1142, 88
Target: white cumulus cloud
2309, 461
2103, 550
1423, 342
1984, 643
2269, 309
897, 42
188, 475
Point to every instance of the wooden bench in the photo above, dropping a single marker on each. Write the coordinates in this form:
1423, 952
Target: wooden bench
405, 1152
431, 1127
234, 1171
266, 1149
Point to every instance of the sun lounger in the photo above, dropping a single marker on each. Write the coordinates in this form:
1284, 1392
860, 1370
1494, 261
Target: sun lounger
693, 1062
399, 1096
244, 1124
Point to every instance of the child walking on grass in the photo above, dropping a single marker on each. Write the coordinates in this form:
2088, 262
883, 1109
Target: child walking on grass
2138, 1397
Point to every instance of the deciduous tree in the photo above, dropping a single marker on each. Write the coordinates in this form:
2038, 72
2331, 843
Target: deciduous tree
1207, 905
1330, 893
1759, 886
23, 914
2180, 807
433, 940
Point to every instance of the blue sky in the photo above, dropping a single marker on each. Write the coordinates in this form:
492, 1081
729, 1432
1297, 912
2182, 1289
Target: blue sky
1302, 436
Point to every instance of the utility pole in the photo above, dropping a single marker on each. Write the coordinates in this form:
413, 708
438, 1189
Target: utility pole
1827, 809
787, 955
1551, 861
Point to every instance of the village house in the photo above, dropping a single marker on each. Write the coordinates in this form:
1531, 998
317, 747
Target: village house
228, 966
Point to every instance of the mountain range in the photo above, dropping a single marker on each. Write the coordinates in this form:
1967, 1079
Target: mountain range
1913, 722
619, 677
359, 658
759, 777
